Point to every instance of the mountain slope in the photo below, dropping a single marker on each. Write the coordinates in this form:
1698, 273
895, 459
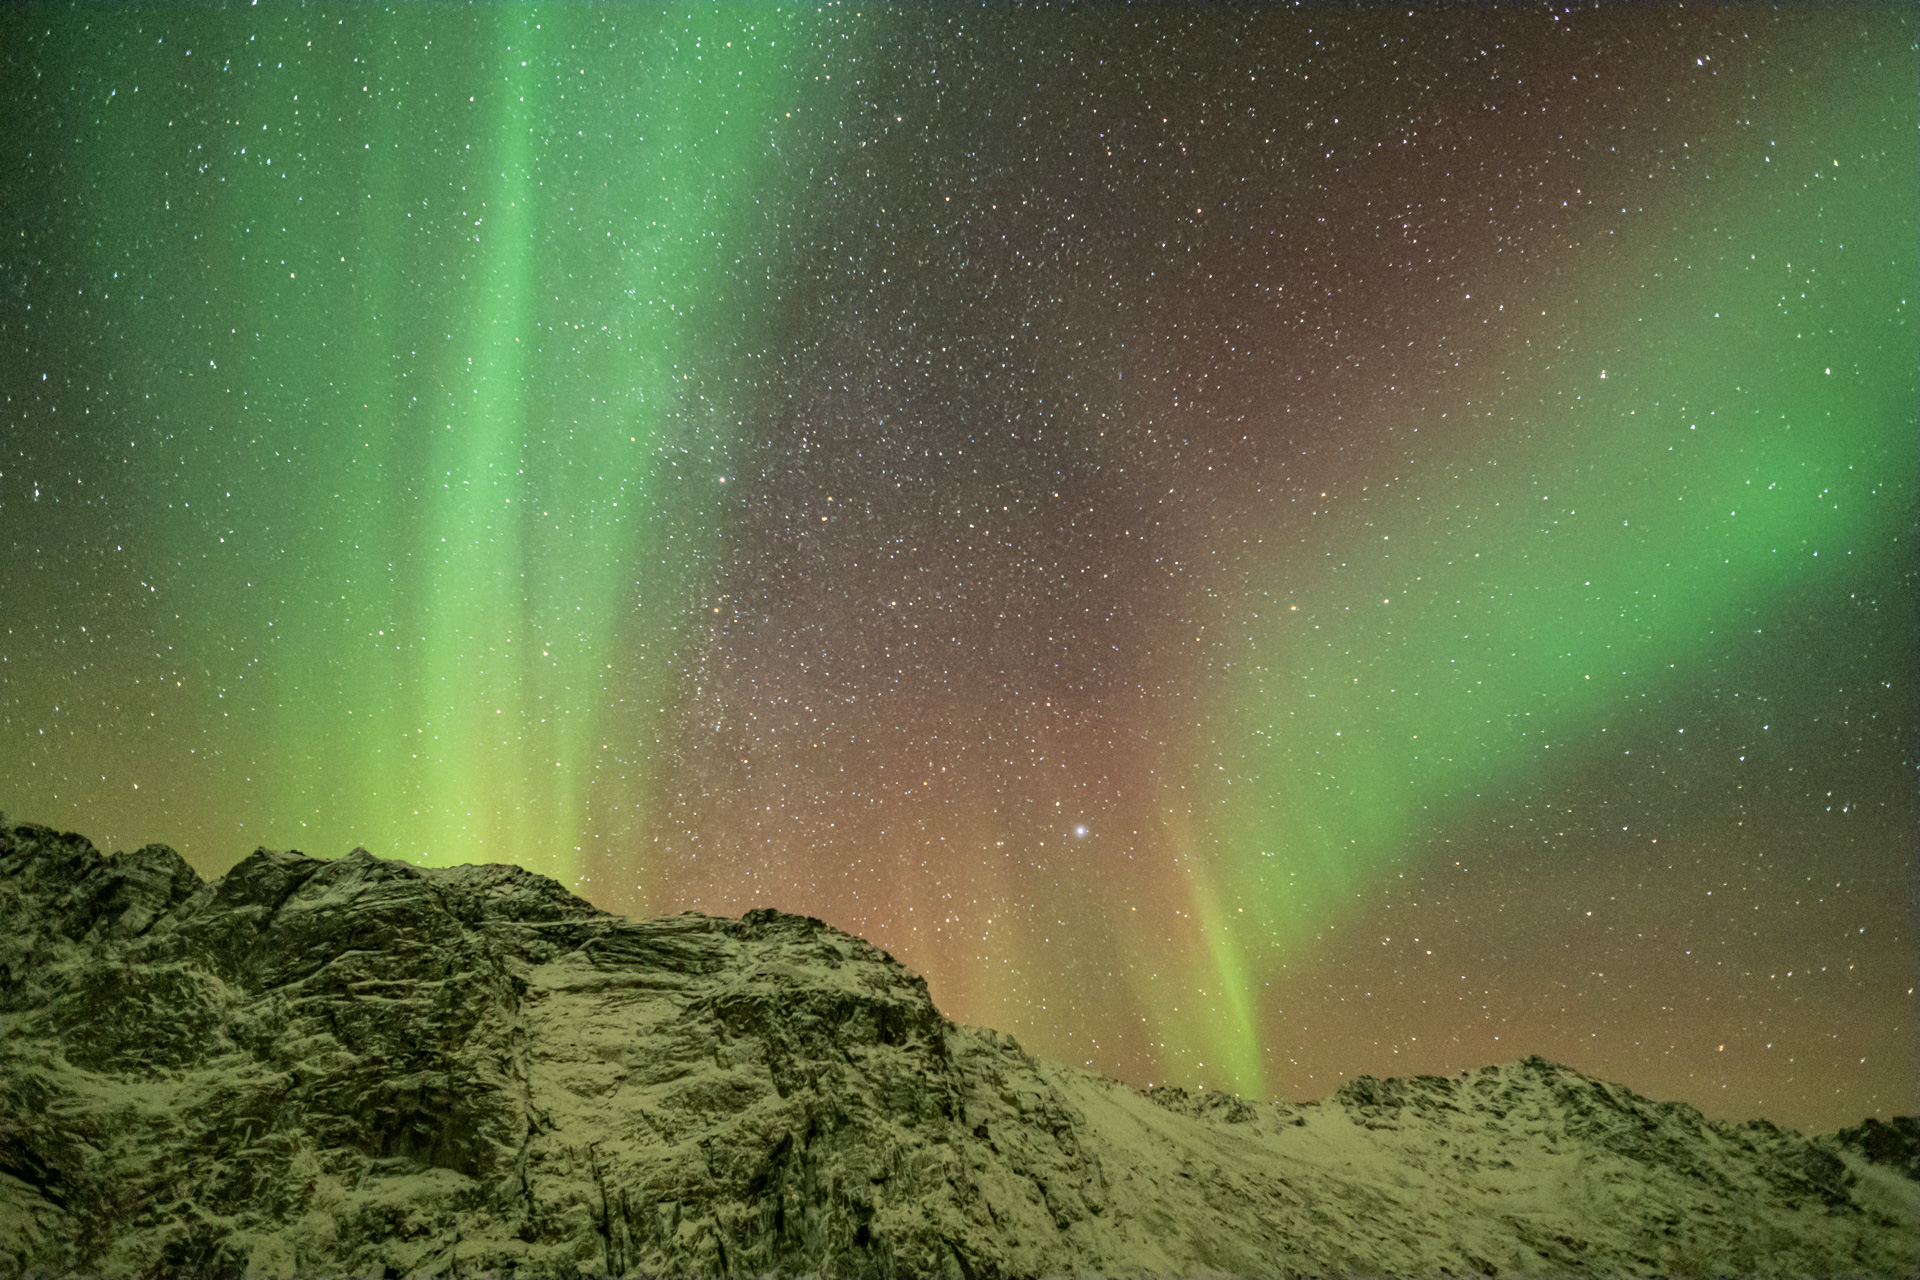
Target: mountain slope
363, 1067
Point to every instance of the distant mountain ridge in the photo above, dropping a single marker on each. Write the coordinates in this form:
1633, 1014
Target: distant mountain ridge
363, 1067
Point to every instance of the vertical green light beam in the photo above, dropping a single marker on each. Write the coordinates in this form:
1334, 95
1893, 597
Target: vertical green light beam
586, 451
481, 784
437, 379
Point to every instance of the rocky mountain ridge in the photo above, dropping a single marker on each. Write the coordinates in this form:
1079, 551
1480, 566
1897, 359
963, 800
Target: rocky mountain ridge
363, 1067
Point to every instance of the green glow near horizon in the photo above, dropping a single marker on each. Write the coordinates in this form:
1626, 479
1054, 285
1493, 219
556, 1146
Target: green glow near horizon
1752, 433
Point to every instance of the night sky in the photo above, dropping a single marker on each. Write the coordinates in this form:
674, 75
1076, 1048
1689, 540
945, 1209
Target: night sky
1251, 546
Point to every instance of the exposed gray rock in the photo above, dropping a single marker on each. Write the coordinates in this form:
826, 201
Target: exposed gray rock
361, 1067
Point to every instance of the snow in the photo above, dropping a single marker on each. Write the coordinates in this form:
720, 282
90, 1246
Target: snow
360, 1067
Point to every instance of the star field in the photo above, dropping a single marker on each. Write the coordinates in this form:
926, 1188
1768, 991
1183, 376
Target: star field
1249, 545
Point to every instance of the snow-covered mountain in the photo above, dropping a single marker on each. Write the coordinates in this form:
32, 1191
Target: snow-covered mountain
362, 1067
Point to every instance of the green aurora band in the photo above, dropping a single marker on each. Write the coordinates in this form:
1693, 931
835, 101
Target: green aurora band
1729, 423
394, 364
478, 436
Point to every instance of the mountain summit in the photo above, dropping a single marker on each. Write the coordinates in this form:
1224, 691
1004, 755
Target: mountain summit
363, 1067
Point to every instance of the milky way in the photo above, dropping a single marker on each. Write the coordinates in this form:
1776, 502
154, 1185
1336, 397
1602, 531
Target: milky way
1250, 546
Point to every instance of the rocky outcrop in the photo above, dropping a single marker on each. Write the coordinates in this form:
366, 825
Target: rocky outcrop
1894, 1143
362, 1067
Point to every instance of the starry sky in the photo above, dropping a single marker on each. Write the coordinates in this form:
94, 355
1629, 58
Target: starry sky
1250, 545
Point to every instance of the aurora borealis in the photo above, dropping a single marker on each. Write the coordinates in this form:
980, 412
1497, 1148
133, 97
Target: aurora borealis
1249, 545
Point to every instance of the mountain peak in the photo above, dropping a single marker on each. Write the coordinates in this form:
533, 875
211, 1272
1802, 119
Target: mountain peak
362, 1066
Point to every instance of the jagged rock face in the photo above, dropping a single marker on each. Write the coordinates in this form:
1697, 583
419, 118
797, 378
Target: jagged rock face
1895, 1142
362, 1067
